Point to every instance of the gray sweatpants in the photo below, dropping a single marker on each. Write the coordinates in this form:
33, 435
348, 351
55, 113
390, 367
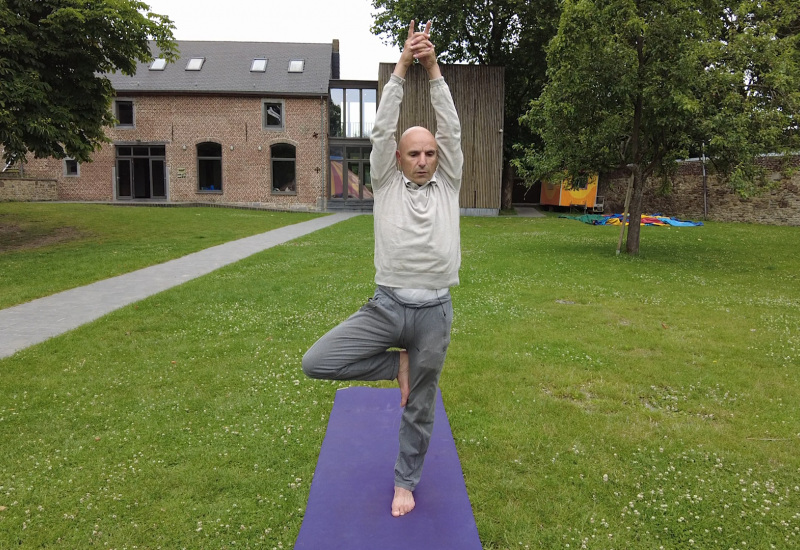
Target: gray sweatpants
356, 349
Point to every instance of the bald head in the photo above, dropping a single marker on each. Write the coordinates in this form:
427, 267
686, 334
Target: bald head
418, 154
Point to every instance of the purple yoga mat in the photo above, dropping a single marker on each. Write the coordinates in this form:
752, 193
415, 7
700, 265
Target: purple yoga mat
349, 504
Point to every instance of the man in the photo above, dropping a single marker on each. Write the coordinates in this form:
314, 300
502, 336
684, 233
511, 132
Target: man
417, 257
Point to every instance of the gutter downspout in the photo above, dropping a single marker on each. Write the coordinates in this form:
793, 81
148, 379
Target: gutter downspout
324, 171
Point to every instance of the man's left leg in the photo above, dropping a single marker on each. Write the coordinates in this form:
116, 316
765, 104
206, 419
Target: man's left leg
427, 349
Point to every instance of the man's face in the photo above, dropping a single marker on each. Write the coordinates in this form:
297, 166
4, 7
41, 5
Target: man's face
418, 155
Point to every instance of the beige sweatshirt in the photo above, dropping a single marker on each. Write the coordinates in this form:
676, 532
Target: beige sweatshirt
417, 239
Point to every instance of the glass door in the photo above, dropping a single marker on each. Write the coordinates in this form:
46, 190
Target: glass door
141, 172
351, 179
124, 178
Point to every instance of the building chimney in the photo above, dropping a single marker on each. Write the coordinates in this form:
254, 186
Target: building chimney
335, 60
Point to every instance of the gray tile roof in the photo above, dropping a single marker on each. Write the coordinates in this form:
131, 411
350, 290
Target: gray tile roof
227, 70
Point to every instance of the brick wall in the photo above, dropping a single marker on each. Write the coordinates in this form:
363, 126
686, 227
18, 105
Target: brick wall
779, 206
181, 122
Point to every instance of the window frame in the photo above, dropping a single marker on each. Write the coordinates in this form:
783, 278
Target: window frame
294, 67
195, 64
137, 155
340, 90
273, 160
67, 172
273, 127
207, 158
119, 123
259, 69
158, 64
367, 133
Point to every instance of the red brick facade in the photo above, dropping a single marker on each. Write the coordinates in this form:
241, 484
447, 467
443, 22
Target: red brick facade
180, 122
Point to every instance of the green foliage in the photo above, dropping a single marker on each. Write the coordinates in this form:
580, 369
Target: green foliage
509, 33
753, 87
54, 100
641, 83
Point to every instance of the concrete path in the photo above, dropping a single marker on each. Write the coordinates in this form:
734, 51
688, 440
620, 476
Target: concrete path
34, 322
528, 212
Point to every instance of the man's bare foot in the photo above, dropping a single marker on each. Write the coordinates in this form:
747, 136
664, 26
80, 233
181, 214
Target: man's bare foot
403, 379
403, 502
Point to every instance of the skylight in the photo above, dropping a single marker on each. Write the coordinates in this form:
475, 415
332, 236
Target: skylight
158, 64
296, 65
258, 66
195, 64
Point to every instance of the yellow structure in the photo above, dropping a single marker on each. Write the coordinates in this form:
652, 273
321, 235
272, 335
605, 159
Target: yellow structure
561, 194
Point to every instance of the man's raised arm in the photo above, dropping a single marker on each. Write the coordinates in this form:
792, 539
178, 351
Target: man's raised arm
382, 159
448, 127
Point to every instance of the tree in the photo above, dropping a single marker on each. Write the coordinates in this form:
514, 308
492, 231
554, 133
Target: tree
638, 83
507, 33
54, 98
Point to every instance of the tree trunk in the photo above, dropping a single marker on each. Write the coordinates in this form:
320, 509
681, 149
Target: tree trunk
635, 211
635, 215
507, 186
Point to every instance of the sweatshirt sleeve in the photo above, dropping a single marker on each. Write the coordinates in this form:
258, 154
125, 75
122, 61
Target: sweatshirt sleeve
382, 158
448, 132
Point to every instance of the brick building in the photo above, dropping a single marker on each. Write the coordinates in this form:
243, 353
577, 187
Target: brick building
269, 125
228, 122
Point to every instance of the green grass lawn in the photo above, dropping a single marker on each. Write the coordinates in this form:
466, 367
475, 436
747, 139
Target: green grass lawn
596, 401
47, 248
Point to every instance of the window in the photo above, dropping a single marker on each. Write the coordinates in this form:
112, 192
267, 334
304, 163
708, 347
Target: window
195, 64
209, 166
369, 106
335, 110
141, 171
71, 168
123, 110
158, 64
351, 112
351, 177
296, 65
258, 66
283, 168
580, 181
273, 114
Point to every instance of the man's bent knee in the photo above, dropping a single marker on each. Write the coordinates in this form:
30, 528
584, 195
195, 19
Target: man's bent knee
310, 365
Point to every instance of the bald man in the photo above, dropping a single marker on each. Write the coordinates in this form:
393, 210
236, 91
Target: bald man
416, 185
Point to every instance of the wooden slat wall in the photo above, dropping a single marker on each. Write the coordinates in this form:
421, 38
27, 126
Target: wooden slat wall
478, 96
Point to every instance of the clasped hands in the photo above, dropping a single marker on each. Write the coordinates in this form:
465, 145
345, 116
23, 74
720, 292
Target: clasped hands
418, 46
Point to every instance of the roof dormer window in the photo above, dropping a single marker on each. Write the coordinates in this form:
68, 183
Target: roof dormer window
258, 66
296, 65
158, 64
195, 64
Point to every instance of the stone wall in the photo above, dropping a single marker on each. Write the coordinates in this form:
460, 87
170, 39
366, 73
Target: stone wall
27, 189
684, 199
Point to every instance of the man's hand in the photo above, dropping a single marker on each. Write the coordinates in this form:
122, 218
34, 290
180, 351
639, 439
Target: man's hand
423, 48
418, 46
407, 55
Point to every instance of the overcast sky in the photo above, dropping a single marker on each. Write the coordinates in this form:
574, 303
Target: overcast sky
317, 21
